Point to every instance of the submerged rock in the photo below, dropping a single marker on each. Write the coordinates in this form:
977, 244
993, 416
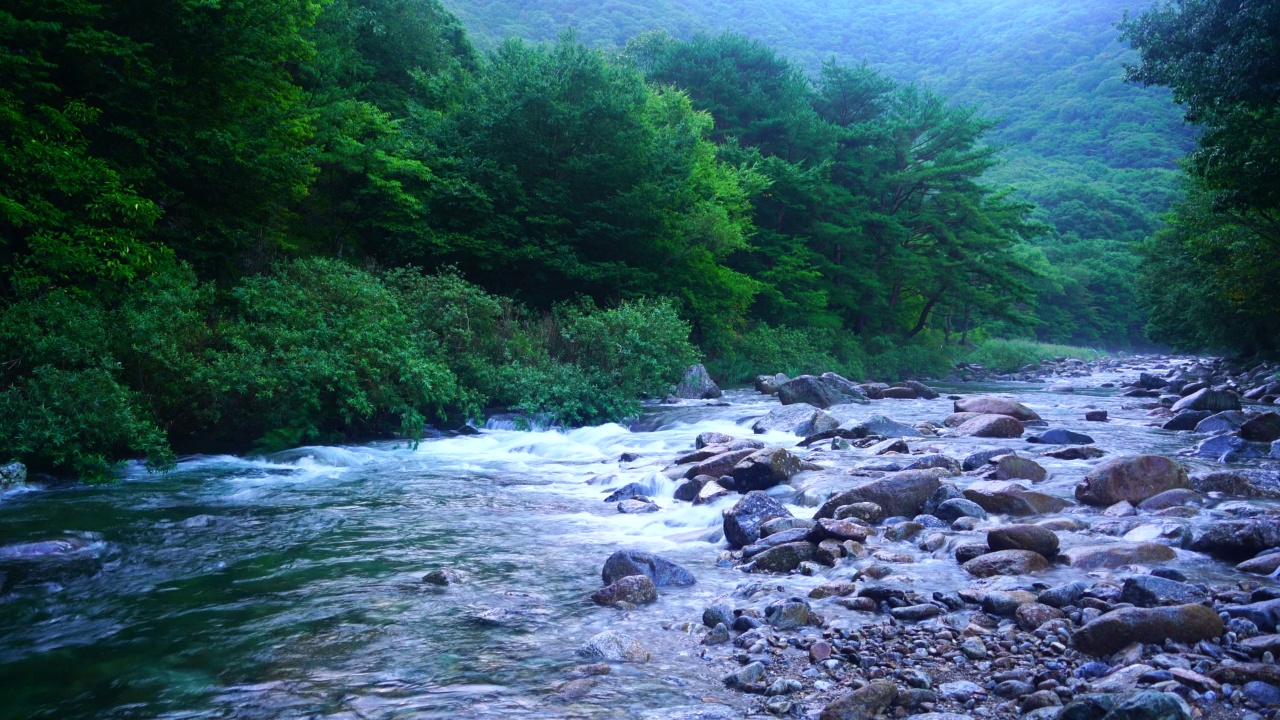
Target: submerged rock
614, 646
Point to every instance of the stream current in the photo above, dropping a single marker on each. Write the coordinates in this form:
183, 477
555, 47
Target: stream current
290, 586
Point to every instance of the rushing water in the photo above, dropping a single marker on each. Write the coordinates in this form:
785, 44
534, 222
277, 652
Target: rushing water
290, 586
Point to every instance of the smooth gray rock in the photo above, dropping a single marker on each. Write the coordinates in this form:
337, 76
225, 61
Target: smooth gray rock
663, 572
697, 385
742, 522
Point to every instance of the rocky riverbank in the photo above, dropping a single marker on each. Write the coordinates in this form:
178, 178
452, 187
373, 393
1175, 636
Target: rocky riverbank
938, 571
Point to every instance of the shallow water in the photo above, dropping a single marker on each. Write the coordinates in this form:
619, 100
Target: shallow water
291, 586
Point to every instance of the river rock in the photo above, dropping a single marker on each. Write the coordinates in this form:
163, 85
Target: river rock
12, 475
1059, 436
1238, 539
697, 385
1132, 478
711, 438
742, 521
1009, 498
636, 505
991, 426
898, 393
1061, 596
898, 494
625, 492
1264, 564
1189, 623
663, 572
822, 392
613, 646
785, 557
444, 576
923, 391
1023, 537
1095, 416
719, 465
1170, 498
1208, 399
955, 508
689, 489
748, 678
769, 384
1013, 467
841, 530
1145, 705
1223, 422
788, 614
1186, 420
1116, 555
1030, 616
766, 468
801, 418
1006, 562
886, 447
1263, 428
1231, 483
774, 540
862, 704
1075, 452
1151, 591
979, 459
958, 419
1228, 448
881, 425
709, 492
990, 405
633, 589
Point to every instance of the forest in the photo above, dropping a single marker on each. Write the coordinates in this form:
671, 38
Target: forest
258, 224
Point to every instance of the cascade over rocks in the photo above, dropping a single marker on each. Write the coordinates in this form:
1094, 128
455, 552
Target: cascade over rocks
989, 405
1133, 479
822, 392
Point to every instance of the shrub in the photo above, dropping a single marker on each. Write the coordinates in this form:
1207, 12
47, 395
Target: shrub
319, 351
766, 350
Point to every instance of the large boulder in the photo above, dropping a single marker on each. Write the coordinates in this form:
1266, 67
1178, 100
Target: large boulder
1009, 498
742, 522
1223, 422
1238, 539
763, 469
991, 426
697, 385
1013, 467
663, 572
1208, 399
902, 493
1231, 483
1006, 562
1186, 420
801, 418
988, 405
769, 384
719, 465
820, 391
1189, 623
1023, 537
881, 425
924, 392
1133, 478
1229, 448
13, 474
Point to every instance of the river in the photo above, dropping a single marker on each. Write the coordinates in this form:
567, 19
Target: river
290, 586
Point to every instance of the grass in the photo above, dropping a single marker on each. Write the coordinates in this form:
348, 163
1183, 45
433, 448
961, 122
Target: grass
1011, 355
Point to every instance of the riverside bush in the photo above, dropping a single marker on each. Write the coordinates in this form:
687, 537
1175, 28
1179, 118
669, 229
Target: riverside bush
1010, 355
